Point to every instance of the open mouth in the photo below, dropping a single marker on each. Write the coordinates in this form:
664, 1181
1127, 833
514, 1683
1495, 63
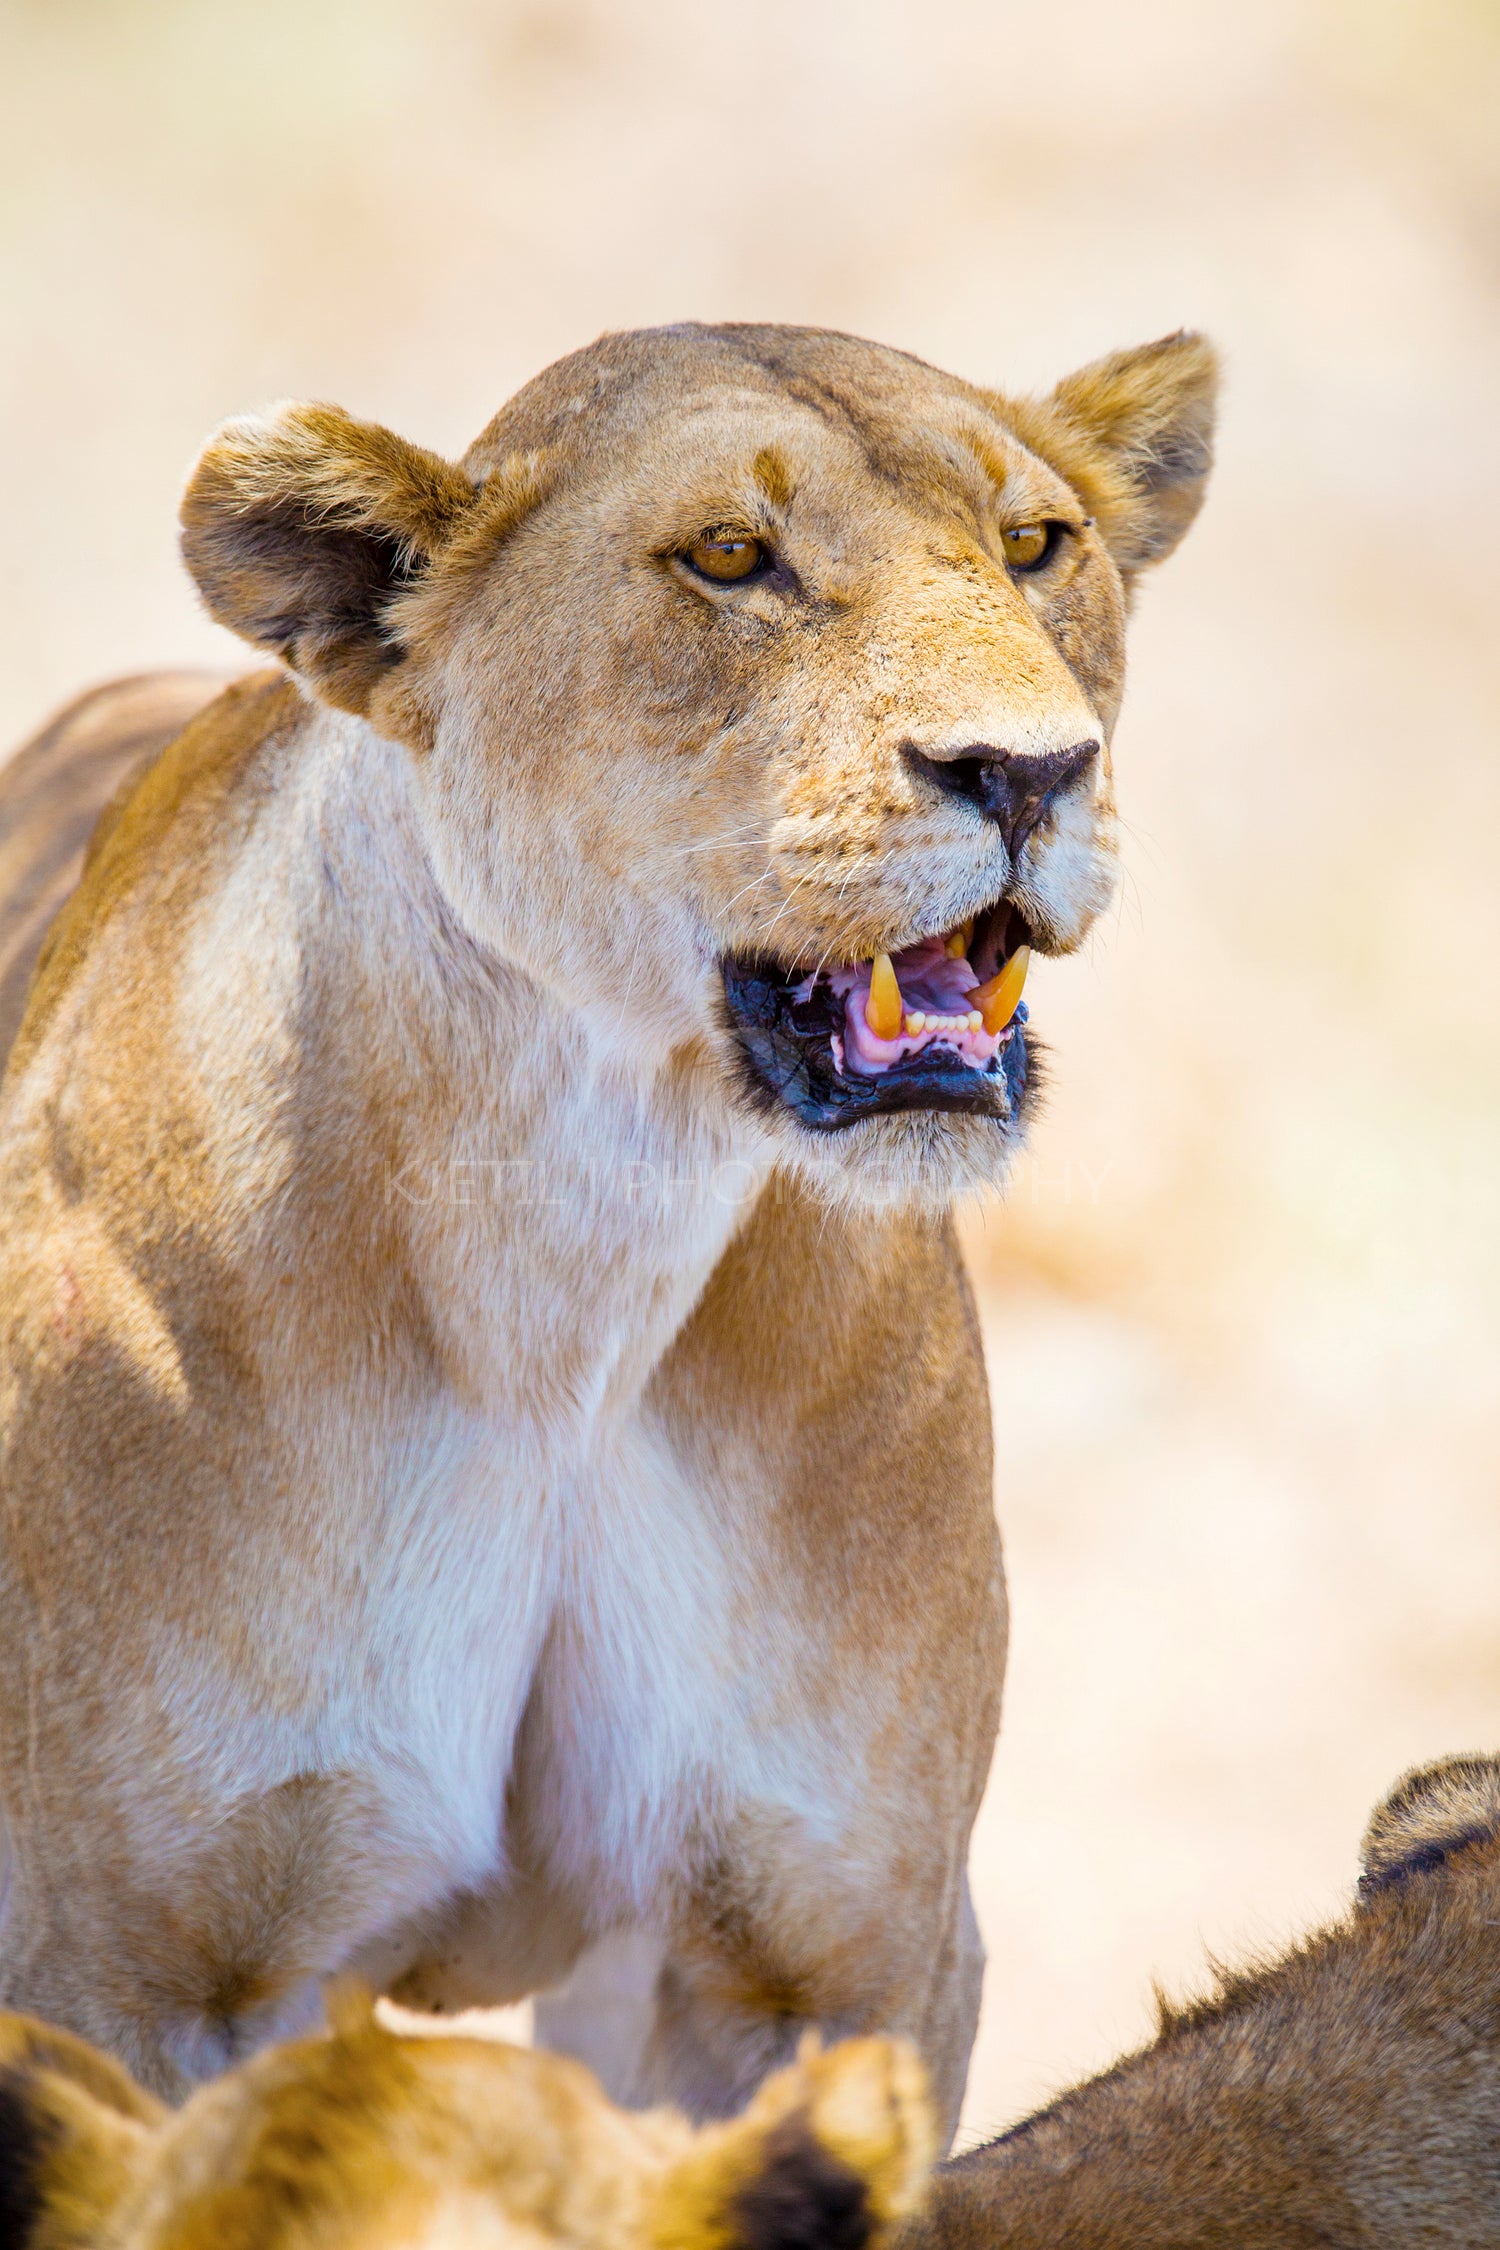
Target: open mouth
939, 1025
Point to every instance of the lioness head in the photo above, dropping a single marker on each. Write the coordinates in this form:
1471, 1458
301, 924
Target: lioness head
368, 2141
1348, 2092
760, 684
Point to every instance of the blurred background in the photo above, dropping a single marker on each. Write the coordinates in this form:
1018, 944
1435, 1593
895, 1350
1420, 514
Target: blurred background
1243, 1303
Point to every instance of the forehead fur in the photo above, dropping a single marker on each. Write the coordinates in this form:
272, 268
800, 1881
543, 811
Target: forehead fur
625, 384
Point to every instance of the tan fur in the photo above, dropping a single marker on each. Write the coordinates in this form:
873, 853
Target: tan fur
52, 792
475, 1482
1348, 2094
367, 2138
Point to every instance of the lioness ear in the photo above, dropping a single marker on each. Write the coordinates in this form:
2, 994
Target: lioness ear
302, 528
1133, 435
1431, 1813
76, 2132
829, 2155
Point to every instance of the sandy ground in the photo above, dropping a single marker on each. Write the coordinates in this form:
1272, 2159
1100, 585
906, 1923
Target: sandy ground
1244, 1303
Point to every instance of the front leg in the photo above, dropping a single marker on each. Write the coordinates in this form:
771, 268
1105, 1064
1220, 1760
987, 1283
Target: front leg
669, 2023
768, 1943
774, 1946
828, 1403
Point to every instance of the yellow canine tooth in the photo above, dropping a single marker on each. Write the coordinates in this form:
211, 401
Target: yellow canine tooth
998, 1000
883, 1010
956, 946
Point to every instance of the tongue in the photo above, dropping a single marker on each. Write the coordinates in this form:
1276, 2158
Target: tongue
936, 1011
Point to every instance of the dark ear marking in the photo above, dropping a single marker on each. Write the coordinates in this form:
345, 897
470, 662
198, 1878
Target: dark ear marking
1433, 1812
24, 2142
802, 2198
358, 574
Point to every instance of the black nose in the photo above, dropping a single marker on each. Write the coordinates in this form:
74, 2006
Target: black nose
1008, 786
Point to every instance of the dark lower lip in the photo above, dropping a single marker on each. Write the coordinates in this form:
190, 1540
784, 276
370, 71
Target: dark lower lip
789, 1059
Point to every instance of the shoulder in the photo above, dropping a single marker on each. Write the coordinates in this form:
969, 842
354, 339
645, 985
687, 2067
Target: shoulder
155, 825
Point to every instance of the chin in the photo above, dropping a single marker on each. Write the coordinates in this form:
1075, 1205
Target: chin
919, 1161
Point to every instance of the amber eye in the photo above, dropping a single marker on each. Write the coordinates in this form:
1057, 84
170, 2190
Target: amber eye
726, 555
1029, 545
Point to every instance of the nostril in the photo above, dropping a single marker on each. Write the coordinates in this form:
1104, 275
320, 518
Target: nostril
973, 777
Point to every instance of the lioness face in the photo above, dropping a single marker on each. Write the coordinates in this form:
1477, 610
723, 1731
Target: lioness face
761, 683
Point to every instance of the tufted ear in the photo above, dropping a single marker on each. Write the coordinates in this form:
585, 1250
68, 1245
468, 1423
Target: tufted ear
1133, 435
303, 526
1431, 1813
829, 2155
76, 2133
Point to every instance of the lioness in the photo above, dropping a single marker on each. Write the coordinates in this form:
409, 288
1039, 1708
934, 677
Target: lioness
1349, 2094
495, 1447
369, 2141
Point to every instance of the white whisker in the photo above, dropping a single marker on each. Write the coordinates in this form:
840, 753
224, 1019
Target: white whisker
764, 876
715, 843
849, 876
801, 881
